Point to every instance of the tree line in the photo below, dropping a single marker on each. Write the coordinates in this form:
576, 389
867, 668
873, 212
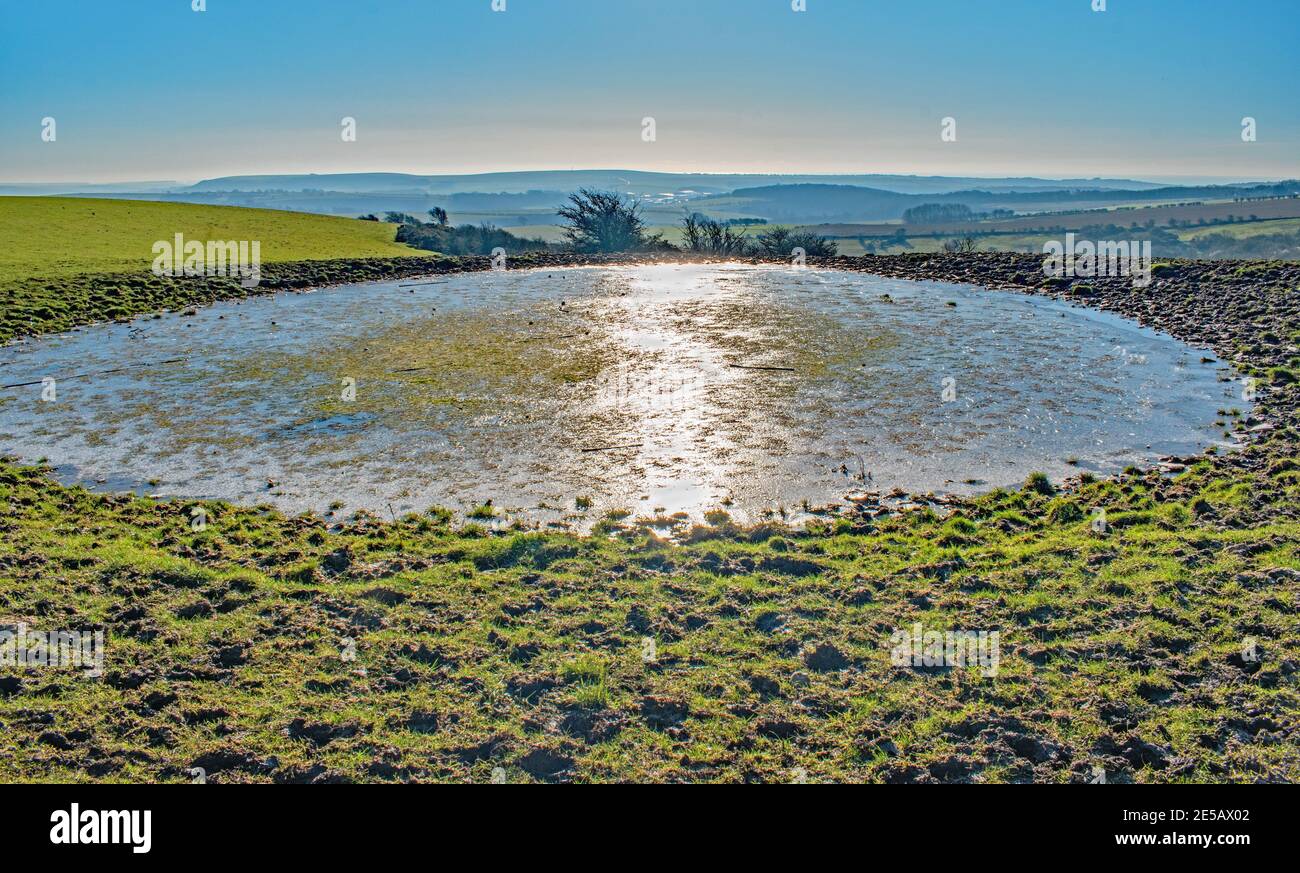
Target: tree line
603, 222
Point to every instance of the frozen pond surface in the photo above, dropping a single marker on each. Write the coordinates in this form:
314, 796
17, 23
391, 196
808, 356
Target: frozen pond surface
681, 388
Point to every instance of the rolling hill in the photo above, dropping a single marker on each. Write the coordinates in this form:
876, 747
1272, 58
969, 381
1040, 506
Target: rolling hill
636, 181
847, 203
60, 236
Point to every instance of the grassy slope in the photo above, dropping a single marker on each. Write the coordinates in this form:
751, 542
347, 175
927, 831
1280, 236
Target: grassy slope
67, 261
61, 236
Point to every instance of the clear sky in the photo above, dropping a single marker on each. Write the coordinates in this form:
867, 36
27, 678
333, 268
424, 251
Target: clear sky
149, 89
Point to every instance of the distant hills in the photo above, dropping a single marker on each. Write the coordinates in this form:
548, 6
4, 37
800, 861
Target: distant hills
627, 181
825, 203
47, 189
530, 198
636, 182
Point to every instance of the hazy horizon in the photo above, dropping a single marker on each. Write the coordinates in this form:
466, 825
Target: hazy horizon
1156, 179
156, 91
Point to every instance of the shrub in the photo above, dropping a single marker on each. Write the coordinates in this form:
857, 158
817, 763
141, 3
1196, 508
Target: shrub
467, 239
782, 241
702, 234
604, 222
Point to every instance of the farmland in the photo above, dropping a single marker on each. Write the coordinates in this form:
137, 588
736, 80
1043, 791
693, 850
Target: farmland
64, 236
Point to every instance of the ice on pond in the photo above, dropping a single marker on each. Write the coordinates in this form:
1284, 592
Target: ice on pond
681, 388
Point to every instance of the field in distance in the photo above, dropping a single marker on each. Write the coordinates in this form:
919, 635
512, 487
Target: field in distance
62, 236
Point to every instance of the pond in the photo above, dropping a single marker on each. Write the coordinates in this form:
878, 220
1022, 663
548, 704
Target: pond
645, 389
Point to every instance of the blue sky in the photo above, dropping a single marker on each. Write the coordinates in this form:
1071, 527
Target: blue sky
149, 89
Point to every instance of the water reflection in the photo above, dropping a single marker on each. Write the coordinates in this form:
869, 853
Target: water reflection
673, 388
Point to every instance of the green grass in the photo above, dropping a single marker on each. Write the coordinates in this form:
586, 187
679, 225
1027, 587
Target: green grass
67, 261
63, 236
227, 648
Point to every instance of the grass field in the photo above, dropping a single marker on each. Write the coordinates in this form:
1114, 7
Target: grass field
920, 244
268, 648
1243, 230
549, 232
1033, 242
62, 236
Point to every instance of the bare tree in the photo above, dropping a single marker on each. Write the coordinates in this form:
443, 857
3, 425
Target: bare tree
601, 221
960, 244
